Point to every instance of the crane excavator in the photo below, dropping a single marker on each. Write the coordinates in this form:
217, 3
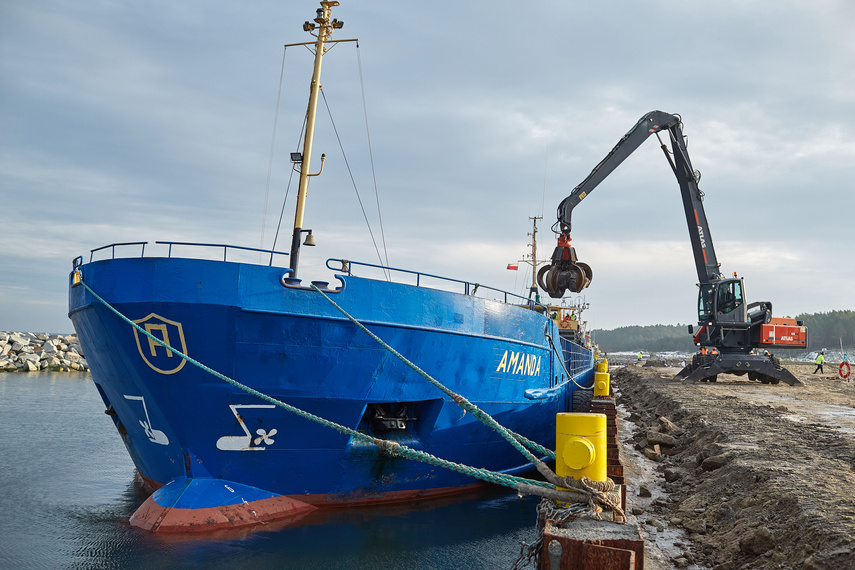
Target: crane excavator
734, 336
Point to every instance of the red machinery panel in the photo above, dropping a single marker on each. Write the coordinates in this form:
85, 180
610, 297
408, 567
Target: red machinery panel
784, 333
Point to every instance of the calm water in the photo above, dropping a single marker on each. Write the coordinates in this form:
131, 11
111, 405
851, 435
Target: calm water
68, 492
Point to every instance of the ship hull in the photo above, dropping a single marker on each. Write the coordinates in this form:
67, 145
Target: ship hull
250, 323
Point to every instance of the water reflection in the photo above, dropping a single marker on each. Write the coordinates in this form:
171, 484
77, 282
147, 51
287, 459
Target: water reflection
70, 487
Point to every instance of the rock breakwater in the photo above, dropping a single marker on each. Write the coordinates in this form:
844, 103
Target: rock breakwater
31, 352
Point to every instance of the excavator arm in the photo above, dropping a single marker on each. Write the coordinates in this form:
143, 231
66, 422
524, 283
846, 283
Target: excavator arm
566, 273
732, 327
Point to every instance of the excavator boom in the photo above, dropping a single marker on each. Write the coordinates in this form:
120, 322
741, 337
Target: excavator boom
654, 122
730, 325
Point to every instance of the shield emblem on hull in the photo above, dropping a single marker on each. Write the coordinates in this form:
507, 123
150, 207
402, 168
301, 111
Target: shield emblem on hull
156, 356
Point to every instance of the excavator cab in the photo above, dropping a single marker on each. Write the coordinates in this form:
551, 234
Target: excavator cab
723, 303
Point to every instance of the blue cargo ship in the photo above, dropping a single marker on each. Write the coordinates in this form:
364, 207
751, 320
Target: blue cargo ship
218, 456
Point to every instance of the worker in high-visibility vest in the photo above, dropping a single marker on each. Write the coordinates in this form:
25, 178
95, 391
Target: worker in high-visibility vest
819, 361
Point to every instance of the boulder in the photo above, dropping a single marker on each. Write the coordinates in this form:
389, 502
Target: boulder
716, 462
654, 437
757, 541
667, 426
726, 514
698, 526
18, 338
30, 357
673, 474
30, 366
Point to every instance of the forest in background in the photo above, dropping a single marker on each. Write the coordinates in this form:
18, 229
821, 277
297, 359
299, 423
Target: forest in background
825, 330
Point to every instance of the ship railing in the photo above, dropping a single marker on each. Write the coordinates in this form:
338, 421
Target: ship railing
112, 247
338, 265
577, 361
346, 266
265, 254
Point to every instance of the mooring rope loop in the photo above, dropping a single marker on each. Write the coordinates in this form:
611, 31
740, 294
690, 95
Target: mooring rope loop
520, 484
548, 509
587, 484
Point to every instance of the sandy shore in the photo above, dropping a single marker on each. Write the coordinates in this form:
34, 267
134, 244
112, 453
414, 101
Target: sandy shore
761, 476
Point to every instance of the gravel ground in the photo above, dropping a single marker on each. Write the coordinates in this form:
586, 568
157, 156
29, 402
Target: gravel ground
754, 475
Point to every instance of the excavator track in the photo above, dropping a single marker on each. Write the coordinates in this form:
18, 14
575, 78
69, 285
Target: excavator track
767, 370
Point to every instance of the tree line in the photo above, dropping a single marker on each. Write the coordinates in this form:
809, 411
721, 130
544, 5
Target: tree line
829, 330
825, 330
652, 338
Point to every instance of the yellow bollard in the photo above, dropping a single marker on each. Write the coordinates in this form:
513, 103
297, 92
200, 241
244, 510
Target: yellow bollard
601, 384
601, 379
580, 445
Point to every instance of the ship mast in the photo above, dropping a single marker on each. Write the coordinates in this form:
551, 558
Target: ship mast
324, 27
533, 289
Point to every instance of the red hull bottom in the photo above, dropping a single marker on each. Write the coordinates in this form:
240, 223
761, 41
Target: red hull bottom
156, 518
283, 510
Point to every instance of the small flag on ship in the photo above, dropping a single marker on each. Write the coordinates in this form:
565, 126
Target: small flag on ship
513, 266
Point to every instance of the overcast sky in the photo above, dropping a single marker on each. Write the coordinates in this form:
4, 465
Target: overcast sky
143, 121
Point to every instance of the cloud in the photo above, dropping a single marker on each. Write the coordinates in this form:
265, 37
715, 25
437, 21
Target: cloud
124, 122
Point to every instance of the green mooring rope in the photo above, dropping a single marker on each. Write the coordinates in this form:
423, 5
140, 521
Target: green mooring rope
391, 447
